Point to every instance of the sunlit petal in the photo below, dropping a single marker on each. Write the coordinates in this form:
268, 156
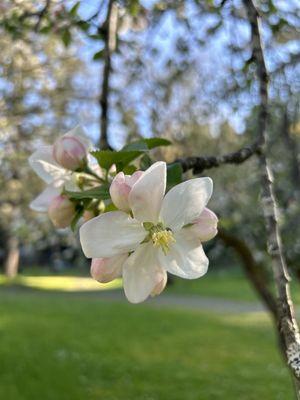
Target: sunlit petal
110, 234
146, 195
185, 202
142, 273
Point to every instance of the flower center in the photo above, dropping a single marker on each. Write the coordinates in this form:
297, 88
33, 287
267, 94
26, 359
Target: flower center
163, 239
160, 236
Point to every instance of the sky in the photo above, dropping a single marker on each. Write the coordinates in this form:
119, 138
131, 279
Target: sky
211, 64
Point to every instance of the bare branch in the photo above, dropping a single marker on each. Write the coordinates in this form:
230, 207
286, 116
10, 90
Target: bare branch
287, 323
254, 271
199, 164
109, 30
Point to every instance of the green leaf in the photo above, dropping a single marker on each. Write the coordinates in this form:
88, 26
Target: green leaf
129, 169
98, 55
99, 192
83, 25
76, 218
74, 9
66, 37
156, 142
145, 162
174, 174
139, 145
146, 144
106, 158
134, 7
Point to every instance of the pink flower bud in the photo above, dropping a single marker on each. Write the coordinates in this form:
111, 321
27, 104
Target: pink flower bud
61, 211
105, 270
162, 278
69, 152
120, 188
206, 226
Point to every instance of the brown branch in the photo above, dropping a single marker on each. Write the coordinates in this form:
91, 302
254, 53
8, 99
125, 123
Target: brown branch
287, 325
199, 164
253, 270
108, 29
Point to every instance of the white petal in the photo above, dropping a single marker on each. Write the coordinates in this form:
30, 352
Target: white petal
44, 165
185, 202
110, 234
141, 273
146, 195
186, 257
42, 202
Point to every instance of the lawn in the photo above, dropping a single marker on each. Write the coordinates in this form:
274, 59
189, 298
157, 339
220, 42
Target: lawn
60, 346
230, 284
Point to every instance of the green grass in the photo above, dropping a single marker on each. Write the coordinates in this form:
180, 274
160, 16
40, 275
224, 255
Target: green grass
57, 346
60, 283
232, 286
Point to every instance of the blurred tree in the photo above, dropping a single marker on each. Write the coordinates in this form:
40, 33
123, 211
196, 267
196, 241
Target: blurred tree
185, 70
37, 103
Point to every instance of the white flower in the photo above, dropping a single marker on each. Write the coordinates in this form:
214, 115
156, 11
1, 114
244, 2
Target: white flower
54, 175
158, 238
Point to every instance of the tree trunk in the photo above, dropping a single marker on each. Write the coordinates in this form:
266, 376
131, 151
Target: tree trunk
11, 264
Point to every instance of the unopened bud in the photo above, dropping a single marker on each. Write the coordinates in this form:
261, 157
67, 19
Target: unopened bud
69, 152
61, 211
120, 188
105, 270
206, 226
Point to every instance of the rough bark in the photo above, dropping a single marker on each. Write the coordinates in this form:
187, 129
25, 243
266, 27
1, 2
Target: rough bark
201, 163
287, 325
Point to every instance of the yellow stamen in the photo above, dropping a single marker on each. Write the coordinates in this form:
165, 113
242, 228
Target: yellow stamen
163, 239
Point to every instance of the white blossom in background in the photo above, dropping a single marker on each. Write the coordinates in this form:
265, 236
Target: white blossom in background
162, 234
44, 162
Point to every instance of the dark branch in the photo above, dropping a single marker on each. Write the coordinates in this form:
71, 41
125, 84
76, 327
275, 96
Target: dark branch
254, 270
199, 164
108, 29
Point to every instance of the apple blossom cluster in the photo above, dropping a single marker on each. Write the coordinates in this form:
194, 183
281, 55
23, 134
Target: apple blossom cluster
132, 226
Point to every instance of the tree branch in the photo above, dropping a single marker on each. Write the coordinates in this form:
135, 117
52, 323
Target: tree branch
287, 323
254, 271
199, 164
108, 29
